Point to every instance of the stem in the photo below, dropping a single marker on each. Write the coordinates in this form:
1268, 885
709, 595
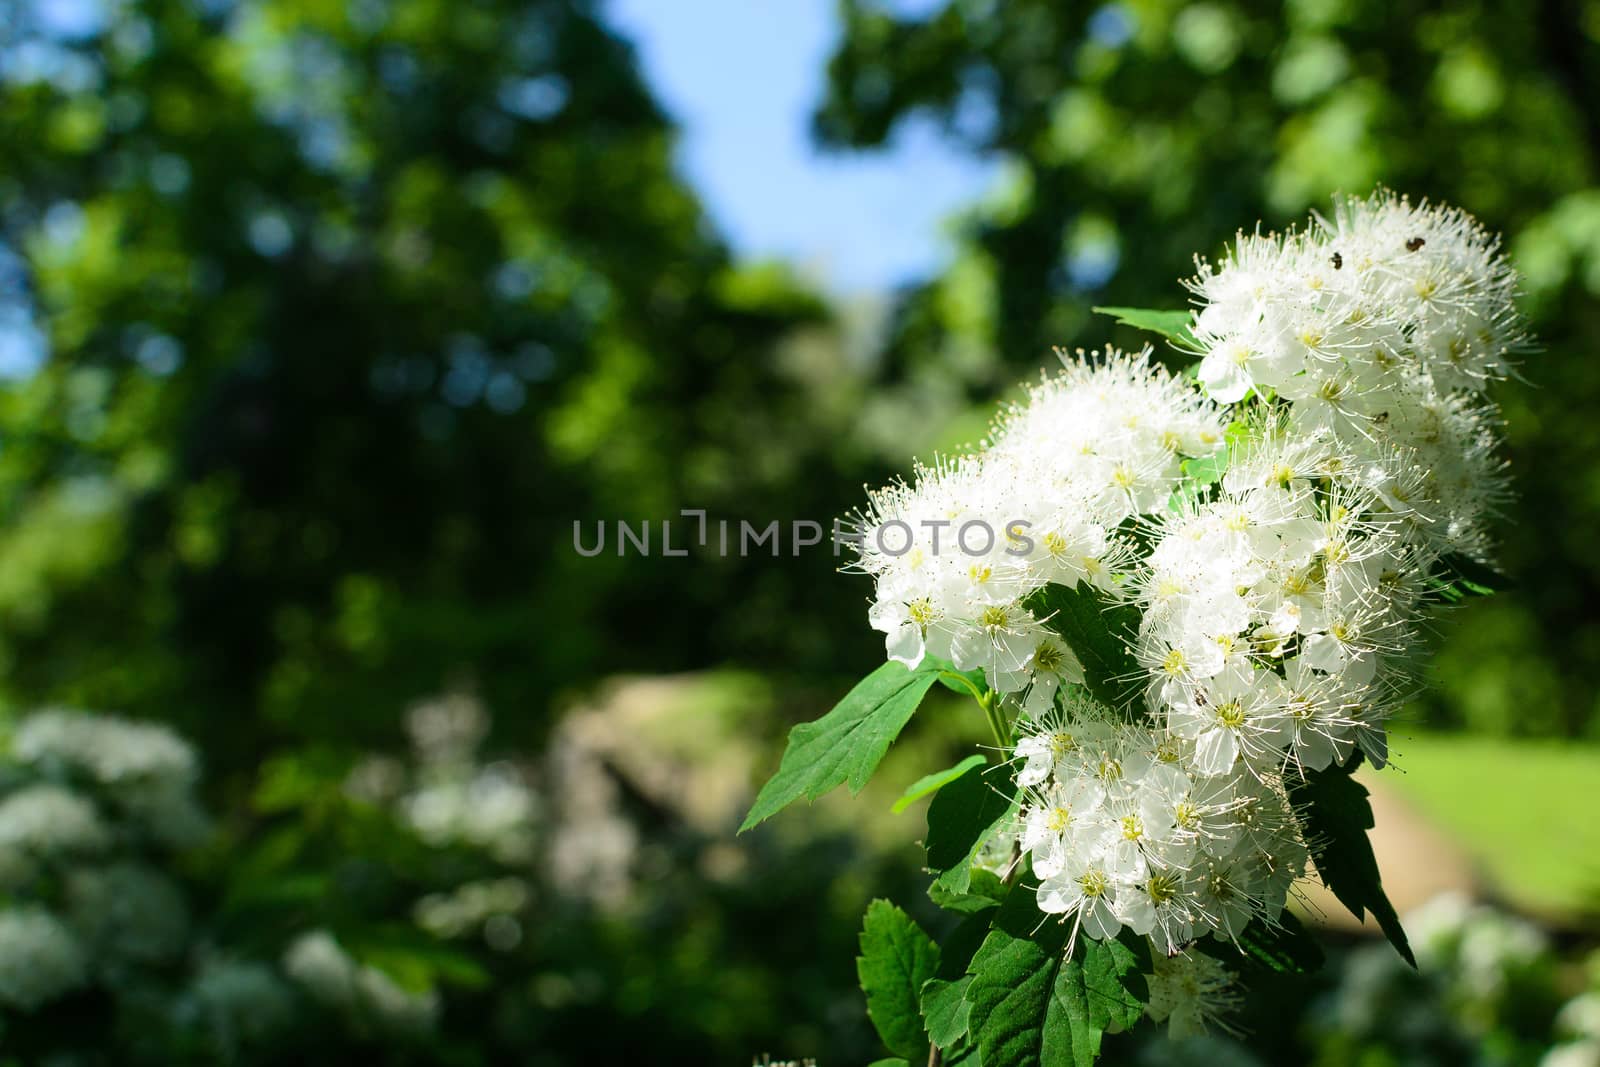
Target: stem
990, 703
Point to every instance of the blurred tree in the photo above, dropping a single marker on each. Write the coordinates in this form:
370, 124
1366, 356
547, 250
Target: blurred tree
325, 322
1136, 133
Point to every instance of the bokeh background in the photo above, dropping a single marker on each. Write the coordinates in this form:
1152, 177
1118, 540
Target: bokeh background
321, 322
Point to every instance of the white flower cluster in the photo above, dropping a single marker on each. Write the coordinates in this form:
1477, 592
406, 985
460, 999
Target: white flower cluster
955, 553
1341, 395
1383, 326
144, 769
1189, 991
1276, 614
82, 798
1123, 831
364, 994
40, 958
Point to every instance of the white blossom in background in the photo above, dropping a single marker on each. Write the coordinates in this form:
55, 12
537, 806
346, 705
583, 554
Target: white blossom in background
40, 959
127, 914
366, 995
114, 751
238, 1003
47, 820
145, 769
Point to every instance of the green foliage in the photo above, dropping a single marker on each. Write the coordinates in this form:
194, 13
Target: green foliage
984, 890
946, 1011
1337, 817
896, 959
1031, 1003
1175, 326
962, 816
1134, 138
1460, 578
1285, 947
325, 316
1099, 630
932, 783
846, 745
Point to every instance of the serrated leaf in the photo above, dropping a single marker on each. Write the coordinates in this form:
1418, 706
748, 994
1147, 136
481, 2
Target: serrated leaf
1286, 947
945, 1010
1337, 817
1031, 1004
932, 783
1014, 1014
896, 960
1101, 988
1100, 631
1175, 326
1114, 991
846, 745
962, 816
985, 891
892, 1061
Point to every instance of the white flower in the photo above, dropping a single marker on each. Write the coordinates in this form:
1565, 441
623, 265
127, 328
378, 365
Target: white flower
317, 962
1321, 729
1190, 992
40, 959
1083, 888
1160, 907
127, 913
1239, 712
240, 1002
1054, 665
116, 752
492, 808
50, 820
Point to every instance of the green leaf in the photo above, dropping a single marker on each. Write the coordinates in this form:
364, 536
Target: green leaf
945, 1010
846, 745
962, 816
1199, 474
1100, 631
1032, 1004
1175, 326
892, 1061
985, 891
943, 997
1459, 577
896, 959
1286, 946
1105, 977
932, 783
1101, 988
1337, 817
1207, 470
415, 960
1014, 1014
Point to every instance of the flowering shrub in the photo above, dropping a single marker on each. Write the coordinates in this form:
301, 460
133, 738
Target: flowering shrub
1186, 604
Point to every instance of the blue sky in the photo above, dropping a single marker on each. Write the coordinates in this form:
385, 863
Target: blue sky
742, 77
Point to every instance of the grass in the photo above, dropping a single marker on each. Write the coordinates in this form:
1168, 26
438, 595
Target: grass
1527, 811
